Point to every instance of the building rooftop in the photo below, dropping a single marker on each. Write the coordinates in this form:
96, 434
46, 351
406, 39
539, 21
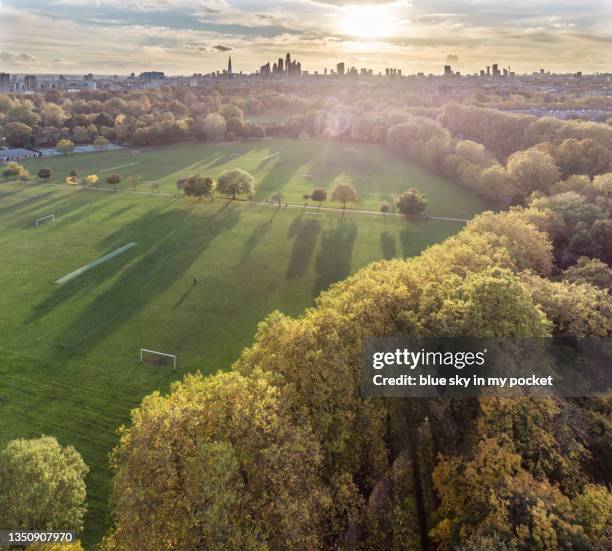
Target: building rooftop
16, 152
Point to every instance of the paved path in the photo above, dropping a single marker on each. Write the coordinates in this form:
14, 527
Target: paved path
309, 208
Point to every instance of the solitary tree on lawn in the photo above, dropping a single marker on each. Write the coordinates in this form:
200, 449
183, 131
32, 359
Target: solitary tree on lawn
65, 146
344, 193
384, 207
113, 179
319, 195
235, 182
199, 186
411, 202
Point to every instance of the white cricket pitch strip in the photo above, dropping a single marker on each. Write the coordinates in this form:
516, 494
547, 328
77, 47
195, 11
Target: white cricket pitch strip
95, 263
120, 166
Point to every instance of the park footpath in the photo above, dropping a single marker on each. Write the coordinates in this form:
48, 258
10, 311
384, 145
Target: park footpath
305, 206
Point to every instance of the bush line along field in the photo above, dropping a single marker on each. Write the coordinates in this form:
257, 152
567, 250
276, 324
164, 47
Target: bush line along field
70, 352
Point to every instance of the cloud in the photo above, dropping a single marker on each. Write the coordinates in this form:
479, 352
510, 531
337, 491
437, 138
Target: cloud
209, 49
17, 59
173, 35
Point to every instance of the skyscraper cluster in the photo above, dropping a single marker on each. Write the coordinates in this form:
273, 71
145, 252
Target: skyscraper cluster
287, 67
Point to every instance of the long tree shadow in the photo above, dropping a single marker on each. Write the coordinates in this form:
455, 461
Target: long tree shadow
388, 245
118, 212
161, 263
411, 244
333, 262
25, 205
88, 281
169, 242
256, 236
65, 208
306, 232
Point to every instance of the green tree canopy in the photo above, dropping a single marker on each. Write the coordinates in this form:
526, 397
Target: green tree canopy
42, 485
199, 186
226, 470
411, 202
344, 193
18, 134
235, 182
319, 195
65, 146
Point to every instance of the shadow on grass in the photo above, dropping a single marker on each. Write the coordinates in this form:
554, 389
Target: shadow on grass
256, 236
388, 245
169, 242
410, 237
21, 207
181, 240
333, 262
305, 232
118, 212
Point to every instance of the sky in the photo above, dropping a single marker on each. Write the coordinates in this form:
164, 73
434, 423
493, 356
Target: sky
197, 36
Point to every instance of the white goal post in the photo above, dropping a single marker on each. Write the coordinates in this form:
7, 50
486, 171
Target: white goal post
50, 217
162, 355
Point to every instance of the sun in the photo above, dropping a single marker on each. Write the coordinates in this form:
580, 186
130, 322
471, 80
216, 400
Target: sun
367, 21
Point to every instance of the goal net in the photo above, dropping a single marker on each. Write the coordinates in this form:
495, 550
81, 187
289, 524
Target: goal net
157, 358
44, 219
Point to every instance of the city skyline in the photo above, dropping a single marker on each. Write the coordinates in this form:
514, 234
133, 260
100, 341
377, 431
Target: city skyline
188, 36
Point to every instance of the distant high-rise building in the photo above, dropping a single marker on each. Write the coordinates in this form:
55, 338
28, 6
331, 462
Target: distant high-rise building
5, 81
229, 66
265, 70
148, 76
495, 70
340, 69
448, 72
30, 82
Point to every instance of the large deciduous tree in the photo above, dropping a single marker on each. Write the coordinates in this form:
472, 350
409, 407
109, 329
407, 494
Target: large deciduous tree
344, 193
42, 486
18, 134
533, 170
235, 182
319, 195
411, 202
199, 186
218, 464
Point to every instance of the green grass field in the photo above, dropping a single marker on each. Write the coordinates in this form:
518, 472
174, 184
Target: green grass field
289, 167
70, 352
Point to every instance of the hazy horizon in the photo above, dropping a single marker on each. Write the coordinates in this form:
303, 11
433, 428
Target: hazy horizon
190, 36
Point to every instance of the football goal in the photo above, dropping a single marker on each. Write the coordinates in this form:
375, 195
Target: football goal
157, 358
44, 219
